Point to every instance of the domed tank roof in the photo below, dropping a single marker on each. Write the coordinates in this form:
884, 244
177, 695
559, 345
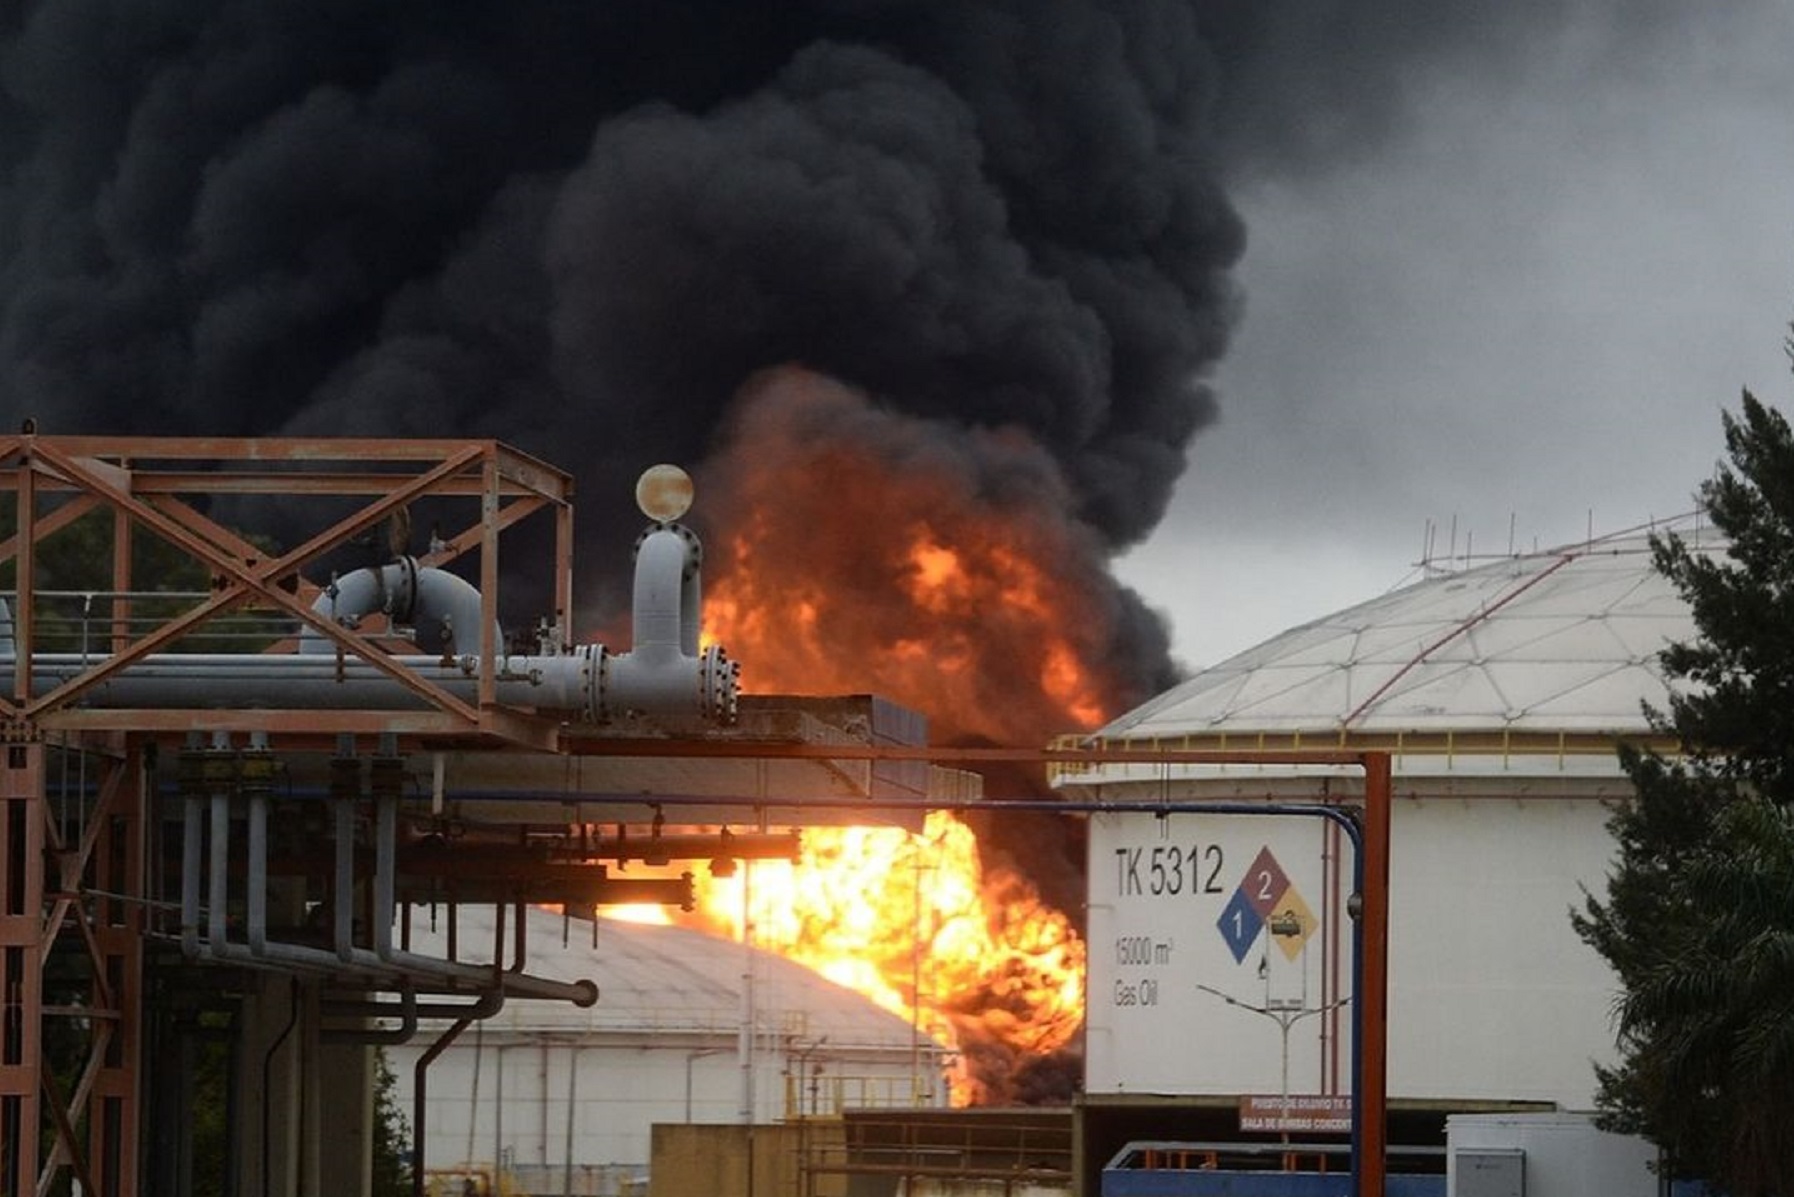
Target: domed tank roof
661, 980
1561, 641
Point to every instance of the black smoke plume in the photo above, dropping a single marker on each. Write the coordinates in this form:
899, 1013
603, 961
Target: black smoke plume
580, 227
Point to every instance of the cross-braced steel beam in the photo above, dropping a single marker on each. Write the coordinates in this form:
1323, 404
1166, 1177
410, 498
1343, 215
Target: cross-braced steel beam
74, 781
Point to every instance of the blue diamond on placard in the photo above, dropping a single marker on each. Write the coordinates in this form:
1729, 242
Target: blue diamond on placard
1240, 923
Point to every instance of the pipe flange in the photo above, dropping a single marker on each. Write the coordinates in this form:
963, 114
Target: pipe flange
718, 685
597, 682
402, 607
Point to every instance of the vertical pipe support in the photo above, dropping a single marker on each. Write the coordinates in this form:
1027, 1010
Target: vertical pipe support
24, 619
1372, 1033
121, 582
563, 576
256, 770
343, 891
489, 517
345, 788
193, 801
220, 778
386, 782
22, 1063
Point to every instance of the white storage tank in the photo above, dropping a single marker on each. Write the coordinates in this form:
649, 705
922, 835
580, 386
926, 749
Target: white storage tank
687, 1029
1220, 946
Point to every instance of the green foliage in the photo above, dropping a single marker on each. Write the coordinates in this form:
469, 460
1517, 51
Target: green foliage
1743, 664
73, 575
1698, 921
208, 1103
392, 1135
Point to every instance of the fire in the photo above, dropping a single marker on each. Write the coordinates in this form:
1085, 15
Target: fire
912, 922
860, 552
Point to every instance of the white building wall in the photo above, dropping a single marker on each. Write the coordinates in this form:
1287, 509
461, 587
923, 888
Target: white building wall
1492, 995
662, 1045
504, 1098
508, 1101
1165, 920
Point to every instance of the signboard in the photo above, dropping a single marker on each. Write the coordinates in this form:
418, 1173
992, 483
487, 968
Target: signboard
1208, 934
1312, 1113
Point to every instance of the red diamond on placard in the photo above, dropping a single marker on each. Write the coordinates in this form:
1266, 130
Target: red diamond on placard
1264, 882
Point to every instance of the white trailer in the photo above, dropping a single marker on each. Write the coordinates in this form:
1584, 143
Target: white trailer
1544, 1155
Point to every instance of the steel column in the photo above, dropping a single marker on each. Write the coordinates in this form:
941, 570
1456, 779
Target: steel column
114, 1134
21, 967
1372, 998
96, 893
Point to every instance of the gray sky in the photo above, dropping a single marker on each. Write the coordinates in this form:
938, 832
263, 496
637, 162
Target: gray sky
1523, 311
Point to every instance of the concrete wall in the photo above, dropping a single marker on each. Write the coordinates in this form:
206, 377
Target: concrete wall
713, 1161
304, 1107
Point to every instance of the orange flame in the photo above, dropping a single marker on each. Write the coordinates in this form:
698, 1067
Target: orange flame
865, 557
911, 921
856, 549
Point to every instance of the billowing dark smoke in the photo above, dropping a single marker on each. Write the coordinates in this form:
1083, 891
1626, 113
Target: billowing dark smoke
580, 227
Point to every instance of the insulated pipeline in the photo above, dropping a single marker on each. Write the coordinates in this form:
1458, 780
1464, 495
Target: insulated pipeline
442, 609
589, 684
667, 674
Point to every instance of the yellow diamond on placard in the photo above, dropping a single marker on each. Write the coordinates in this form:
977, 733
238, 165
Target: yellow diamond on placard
1291, 923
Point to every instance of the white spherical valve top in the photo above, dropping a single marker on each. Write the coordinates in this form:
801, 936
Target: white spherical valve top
663, 493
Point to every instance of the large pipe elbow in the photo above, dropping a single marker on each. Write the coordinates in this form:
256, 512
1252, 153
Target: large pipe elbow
442, 608
666, 673
668, 559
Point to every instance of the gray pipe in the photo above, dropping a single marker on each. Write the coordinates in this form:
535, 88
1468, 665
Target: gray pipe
443, 608
258, 873
667, 598
386, 837
407, 1014
419, 1087
369, 1008
218, 891
256, 767
580, 993
666, 674
590, 683
259, 949
345, 879
192, 832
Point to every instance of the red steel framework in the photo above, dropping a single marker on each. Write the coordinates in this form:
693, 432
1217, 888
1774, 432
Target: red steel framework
75, 890
82, 898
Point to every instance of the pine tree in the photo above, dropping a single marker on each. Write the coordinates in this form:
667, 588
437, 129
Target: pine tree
1698, 921
392, 1136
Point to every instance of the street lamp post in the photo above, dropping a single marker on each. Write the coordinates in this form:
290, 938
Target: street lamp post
1285, 1012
